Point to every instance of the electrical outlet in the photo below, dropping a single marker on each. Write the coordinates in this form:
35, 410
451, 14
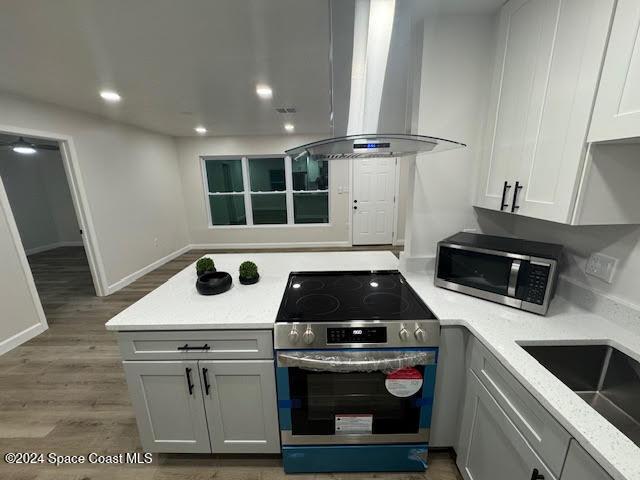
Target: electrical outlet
470, 230
601, 266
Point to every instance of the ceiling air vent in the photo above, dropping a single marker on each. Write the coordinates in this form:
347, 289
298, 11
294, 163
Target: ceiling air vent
286, 110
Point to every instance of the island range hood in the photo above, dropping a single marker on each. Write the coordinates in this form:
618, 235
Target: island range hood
373, 145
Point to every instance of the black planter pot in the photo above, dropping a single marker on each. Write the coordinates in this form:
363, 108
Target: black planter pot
199, 274
249, 280
213, 283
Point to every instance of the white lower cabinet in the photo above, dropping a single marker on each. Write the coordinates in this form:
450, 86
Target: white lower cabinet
581, 466
170, 413
492, 447
205, 406
240, 402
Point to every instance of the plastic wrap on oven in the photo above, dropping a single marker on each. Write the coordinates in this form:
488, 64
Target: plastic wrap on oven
355, 360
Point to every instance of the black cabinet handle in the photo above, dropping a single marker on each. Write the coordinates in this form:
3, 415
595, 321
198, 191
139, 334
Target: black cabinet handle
514, 204
535, 475
189, 382
186, 347
504, 195
205, 376
355, 208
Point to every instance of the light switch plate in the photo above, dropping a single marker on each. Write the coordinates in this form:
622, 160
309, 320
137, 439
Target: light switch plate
601, 266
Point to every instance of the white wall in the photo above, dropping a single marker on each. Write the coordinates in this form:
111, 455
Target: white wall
191, 149
456, 70
40, 199
131, 179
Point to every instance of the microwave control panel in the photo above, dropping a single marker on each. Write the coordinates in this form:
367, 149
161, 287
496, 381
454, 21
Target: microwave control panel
538, 277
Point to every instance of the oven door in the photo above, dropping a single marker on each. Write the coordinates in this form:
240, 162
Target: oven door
363, 397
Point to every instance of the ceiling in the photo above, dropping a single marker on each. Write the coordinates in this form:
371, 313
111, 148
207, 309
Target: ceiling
6, 138
176, 64
179, 64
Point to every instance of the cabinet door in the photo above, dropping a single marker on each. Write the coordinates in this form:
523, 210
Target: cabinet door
617, 110
580, 466
491, 447
555, 148
170, 413
524, 46
240, 401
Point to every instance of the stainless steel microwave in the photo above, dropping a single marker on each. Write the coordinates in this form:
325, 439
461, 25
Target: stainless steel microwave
515, 272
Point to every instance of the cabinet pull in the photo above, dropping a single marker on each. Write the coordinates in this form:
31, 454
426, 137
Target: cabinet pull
205, 376
514, 205
186, 347
504, 195
535, 475
189, 382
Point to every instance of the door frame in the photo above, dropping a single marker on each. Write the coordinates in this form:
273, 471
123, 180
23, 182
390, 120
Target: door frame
396, 194
80, 204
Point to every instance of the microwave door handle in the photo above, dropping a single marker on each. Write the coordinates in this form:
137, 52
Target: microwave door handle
513, 278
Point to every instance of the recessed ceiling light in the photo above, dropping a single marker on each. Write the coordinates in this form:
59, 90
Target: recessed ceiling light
264, 91
110, 96
289, 127
200, 129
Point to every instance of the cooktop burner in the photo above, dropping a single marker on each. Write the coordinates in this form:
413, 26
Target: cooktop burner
345, 296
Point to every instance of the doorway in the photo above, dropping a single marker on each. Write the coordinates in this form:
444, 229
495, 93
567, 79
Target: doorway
373, 210
41, 200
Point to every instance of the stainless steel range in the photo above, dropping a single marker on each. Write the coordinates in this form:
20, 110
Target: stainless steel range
356, 362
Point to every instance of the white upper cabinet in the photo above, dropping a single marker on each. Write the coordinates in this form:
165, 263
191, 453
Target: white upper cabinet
548, 60
617, 110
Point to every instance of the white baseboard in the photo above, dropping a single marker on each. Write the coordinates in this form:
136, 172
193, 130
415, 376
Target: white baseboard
143, 271
247, 246
22, 337
52, 246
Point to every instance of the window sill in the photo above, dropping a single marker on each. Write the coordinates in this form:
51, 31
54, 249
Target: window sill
281, 225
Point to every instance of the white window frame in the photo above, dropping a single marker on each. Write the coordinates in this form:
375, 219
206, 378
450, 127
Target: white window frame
246, 192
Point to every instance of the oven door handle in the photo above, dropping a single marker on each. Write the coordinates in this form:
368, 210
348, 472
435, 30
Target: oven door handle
356, 361
513, 278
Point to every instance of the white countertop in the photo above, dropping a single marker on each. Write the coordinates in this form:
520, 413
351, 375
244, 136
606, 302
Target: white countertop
176, 305
501, 328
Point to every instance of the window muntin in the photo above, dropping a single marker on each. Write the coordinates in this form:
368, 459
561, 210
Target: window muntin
262, 191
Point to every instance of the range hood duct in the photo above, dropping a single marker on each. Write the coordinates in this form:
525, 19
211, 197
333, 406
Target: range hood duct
375, 145
376, 53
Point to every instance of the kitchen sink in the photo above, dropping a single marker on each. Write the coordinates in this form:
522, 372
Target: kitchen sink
604, 377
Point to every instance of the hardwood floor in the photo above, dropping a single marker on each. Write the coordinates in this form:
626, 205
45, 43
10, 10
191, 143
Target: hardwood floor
65, 392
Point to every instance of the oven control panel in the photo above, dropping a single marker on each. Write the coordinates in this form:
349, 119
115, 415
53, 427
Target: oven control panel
357, 334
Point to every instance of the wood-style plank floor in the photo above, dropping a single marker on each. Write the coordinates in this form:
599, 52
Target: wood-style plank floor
65, 391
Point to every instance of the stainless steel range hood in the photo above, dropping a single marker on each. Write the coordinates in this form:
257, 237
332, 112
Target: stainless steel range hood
372, 146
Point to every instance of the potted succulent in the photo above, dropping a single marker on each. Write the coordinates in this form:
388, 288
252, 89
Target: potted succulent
205, 265
249, 273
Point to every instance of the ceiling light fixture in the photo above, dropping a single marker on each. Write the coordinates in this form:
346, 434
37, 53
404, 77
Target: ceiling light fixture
24, 149
264, 91
289, 127
110, 96
200, 129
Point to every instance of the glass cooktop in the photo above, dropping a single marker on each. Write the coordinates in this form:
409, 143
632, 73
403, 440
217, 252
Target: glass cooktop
345, 296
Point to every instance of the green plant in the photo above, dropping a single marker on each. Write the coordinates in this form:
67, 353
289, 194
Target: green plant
205, 264
248, 270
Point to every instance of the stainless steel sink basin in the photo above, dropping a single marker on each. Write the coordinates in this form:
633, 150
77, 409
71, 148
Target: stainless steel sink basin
602, 376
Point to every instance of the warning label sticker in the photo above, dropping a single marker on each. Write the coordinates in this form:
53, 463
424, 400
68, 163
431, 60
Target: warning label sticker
404, 382
354, 423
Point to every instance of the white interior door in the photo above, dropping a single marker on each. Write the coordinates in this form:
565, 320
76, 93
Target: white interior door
374, 181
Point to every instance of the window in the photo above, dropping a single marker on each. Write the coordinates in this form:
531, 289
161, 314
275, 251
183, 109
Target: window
271, 190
